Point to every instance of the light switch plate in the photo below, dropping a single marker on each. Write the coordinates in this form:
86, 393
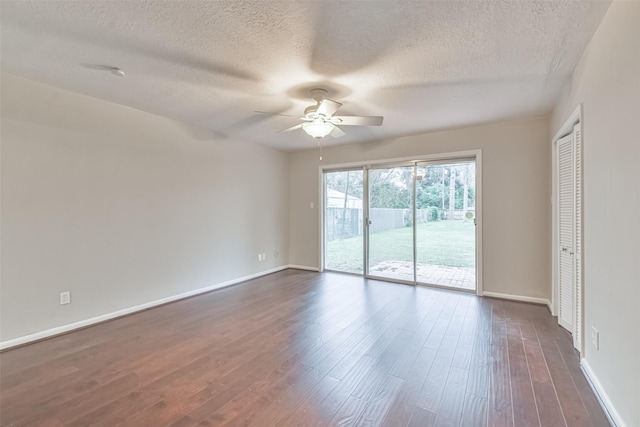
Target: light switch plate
65, 298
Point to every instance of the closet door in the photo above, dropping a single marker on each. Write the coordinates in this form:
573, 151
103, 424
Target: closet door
566, 233
577, 336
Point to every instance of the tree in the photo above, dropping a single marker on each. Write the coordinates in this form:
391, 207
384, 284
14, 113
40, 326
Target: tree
387, 195
344, 208
338, 181
452, 191
390, 188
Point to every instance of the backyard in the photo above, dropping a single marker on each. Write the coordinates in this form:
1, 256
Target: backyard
440, 243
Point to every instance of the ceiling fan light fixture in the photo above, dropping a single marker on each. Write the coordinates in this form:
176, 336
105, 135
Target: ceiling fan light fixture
317, 128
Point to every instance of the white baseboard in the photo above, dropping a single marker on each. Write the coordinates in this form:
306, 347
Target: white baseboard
614, 417
550, 307
522, 298
303, 267
102, 318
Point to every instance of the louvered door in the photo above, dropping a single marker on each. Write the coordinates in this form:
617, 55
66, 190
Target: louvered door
566, 233
577, 327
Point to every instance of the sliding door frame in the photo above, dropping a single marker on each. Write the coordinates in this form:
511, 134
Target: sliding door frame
477, 196
388, 165
322, 210
404, 161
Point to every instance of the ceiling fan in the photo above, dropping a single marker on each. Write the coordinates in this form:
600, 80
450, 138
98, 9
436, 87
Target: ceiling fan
319, 121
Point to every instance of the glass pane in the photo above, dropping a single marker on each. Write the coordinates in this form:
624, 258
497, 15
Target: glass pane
445, 224
391, 216
343, 221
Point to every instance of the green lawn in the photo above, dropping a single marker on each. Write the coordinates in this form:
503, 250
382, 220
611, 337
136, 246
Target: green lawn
450, 243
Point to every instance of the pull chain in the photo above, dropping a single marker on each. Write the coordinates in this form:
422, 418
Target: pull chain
320, 147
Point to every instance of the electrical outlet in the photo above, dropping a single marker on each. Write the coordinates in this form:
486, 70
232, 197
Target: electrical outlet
264, 257
259, 257
65, 298
276, 253
595, 338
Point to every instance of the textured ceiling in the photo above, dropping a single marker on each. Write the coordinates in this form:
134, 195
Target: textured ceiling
424, 65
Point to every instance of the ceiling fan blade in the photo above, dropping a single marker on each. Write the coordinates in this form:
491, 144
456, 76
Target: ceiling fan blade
337, 132
99, 67
291, 128
327, 107
357, 120
276, 114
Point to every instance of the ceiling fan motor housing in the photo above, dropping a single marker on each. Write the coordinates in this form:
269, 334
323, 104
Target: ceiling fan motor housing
310, 112
318, 94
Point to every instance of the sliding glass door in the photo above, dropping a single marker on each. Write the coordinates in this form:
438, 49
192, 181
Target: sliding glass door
445, 224
411, 223
344, 221
390, 223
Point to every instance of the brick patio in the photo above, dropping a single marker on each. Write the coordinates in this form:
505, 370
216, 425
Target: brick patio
454, 277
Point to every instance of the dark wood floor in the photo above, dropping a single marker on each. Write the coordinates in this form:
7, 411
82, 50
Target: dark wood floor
305, 349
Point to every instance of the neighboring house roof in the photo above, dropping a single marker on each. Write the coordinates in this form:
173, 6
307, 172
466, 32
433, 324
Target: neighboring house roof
336, 199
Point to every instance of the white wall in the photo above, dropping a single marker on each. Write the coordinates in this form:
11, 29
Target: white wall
516, 182
122, 207
607, 83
